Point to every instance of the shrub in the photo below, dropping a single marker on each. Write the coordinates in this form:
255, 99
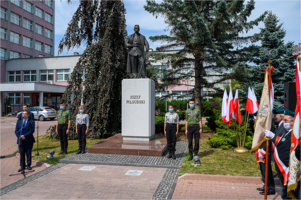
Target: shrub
182, 115
159, 124
206, 108
215, 106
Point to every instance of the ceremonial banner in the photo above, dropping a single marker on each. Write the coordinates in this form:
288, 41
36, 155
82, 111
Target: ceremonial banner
264, 119
294, 163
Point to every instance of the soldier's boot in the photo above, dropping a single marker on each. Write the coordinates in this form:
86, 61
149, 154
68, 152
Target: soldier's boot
169, 154
79, 150
173, 155
83, 149
62, 151
190, 157
65, 150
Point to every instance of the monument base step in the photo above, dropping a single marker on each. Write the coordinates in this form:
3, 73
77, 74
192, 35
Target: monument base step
117, 145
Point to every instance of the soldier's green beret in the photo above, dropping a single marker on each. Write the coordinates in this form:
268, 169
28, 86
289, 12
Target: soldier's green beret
278, 111
290, 113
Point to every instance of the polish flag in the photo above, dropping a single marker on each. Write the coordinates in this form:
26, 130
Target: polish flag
255, 102
230, 108
224, 106
249, 105
237, 108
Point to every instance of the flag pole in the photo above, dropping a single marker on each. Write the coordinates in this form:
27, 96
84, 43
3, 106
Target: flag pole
245, 132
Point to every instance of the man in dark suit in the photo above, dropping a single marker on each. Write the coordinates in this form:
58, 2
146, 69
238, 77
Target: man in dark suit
25, 108
24, 131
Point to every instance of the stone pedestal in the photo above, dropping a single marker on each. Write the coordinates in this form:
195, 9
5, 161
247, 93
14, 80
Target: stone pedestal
138, 109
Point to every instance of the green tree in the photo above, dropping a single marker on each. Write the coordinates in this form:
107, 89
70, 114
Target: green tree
96, 78
272, 40
208, 30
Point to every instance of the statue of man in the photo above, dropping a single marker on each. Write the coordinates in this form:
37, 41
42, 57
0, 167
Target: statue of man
136, 55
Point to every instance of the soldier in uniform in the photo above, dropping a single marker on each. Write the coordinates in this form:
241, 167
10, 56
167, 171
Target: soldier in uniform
171, 130
62, 126
282, 140
193, 128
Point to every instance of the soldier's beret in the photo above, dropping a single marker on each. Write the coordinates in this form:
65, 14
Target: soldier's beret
290, 113
278, 111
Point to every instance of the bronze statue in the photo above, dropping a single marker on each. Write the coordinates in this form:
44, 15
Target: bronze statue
136, 55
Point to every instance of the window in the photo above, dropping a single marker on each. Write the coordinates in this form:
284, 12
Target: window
210, 78
218, 85
48, 33
27, 24
3, 54
14, 76
48, 49
41, 55
62, 74
48, 3
26, 56
38, 46
41, 1
16, 2
46, 75
27, 42
3, 34
15, 37
48, 18
30, 76
14, 98
39, 12
160, 70
27, 6
14, 18
180, 95
162, 94
185, 69
13, 55
3, 13
26, 98
39, 29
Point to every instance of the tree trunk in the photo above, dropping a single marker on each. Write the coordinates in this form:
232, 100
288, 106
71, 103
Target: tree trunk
197, 87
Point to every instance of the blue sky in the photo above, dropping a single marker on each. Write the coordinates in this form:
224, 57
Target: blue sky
288, 12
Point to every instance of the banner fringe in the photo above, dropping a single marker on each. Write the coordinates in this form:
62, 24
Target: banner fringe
293, 187
260, 144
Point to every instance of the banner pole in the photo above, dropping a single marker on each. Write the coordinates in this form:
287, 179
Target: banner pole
266, 169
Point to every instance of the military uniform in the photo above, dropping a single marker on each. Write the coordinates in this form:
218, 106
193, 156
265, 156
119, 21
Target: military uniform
171, 120
193, 117
63, 117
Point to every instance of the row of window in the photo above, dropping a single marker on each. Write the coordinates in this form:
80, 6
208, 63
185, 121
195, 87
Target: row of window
16, 19
176, 95
28, 6
45, 75
186, 69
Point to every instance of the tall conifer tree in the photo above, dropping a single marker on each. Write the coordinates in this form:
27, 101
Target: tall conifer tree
272, 40
96, 79
210, 31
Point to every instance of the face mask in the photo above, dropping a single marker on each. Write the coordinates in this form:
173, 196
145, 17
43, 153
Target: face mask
62, 107
81, 111
287, 126
191, 105
170, 109
277, 121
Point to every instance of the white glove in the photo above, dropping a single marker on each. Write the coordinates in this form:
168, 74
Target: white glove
269, 134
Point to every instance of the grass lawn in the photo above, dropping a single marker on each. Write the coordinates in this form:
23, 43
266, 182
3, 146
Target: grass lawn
45, 145
216, 161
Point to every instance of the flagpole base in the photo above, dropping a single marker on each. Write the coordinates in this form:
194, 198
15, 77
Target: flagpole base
241, 150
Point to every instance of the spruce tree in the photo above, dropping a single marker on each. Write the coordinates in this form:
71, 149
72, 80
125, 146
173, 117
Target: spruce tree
210, 32
272, 47
96, 79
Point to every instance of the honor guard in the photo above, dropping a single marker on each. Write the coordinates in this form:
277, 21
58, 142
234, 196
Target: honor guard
193, 128
171, 130
62, 126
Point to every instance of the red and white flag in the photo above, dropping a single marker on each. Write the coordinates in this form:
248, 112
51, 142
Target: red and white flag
237, 108
255, 102
224, 106
294, 163
230, 108
249, 105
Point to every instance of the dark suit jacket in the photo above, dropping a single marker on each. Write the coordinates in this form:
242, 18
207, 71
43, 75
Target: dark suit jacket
31, 116
28, 133
284, 148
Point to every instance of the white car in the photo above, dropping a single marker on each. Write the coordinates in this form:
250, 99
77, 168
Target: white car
41, 113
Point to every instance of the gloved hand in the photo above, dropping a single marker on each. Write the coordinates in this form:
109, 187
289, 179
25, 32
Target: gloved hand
269, 134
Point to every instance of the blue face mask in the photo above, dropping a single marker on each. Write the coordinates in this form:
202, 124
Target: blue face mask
81, 111
191, 105
62, 107
170, 109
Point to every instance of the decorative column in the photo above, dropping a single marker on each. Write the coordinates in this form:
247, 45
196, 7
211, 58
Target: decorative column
41, 98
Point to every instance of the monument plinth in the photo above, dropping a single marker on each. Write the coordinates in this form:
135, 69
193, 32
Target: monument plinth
138, 109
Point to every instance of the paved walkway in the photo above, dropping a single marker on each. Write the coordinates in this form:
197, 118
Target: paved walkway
200, 186
10, 164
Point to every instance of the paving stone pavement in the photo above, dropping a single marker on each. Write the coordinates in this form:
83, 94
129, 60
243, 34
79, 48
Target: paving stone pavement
10, 164
221, 187
103, 182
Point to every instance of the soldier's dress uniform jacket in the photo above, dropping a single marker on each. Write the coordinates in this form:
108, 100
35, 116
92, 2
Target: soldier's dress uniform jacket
193, 117
63, 117
171, 120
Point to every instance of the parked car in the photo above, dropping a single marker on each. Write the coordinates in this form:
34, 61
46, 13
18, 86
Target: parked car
45, 112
